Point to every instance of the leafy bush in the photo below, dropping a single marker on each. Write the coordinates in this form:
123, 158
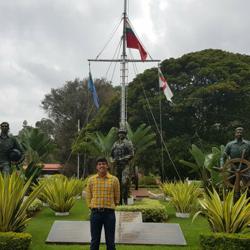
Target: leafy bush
223, 241
13, 206
147, 180
225, 215
152, 210
183, 196
203, 165
35, 206
14, 241
61, 192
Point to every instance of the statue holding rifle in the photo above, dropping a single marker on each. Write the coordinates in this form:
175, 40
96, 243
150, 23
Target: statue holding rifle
122, 152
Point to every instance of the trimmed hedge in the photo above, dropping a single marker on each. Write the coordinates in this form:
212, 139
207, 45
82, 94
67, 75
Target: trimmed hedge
152, 210
35, 206
14, 241
147, 180
223, 241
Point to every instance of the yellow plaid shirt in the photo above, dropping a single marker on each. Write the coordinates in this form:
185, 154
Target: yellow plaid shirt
103, 192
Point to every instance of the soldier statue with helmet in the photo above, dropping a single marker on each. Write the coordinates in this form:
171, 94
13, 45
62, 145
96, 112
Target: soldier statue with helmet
10, 149
121, 153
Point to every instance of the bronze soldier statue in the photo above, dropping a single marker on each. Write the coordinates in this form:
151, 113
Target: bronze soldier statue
10, 149
238, 154
122, 152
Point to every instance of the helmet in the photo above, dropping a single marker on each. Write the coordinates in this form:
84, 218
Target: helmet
15, 155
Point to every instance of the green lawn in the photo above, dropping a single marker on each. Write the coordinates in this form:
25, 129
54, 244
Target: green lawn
40, 225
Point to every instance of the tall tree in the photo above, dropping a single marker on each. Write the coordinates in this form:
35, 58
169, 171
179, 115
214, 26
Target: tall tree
68, 104
211, 97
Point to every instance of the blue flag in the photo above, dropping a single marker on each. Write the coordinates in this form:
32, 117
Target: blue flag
92, 89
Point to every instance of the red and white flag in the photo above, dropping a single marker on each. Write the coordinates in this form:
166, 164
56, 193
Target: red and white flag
133, 42
164, 85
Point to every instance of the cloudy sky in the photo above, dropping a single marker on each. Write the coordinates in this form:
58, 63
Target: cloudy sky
44, 43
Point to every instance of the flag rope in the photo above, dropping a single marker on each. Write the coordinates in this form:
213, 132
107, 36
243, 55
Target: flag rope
109, 40
157, 127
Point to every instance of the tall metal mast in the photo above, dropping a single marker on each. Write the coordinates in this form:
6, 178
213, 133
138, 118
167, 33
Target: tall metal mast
123, 70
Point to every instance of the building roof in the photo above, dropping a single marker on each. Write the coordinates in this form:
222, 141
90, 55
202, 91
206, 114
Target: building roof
52, 166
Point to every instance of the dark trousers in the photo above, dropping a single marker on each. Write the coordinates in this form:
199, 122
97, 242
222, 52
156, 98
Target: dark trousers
97, 220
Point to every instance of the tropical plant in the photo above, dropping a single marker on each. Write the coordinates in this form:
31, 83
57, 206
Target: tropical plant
61, 192
67, 105
37, 144
225, 215
183, 196
13, 206
97, 143
204, 165
37, 147
142, 138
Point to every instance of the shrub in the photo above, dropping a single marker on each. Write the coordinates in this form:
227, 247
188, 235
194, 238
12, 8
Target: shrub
147, 181
13, 206
183, 196
223, 241
14, 241
35, 206
152, 210
61, 192
225, 215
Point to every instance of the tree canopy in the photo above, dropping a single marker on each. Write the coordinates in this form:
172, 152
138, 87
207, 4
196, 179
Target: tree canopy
211, 97
68, 104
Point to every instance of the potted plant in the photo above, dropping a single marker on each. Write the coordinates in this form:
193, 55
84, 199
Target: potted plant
228, 221
13, 210
183, 196
61, 193
224, 215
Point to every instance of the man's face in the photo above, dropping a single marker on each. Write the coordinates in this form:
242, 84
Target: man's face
102, 167
121, 135
238, 133
4, 128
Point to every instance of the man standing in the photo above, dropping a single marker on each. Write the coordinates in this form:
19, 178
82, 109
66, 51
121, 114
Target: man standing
9, 147
238, 148
103, 194
121, 153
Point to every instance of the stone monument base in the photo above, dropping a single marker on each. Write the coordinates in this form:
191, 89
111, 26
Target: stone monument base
129, 230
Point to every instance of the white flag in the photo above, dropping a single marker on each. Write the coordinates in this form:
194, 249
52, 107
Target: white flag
164, 85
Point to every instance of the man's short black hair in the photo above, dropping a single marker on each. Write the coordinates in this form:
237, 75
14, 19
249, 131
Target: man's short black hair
101, 159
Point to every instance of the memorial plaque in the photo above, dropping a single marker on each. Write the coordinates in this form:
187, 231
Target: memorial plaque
69, 232
78, 232
122, 217
150, 234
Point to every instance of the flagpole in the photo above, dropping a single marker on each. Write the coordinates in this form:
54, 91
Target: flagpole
78, 155
124, 65
87, 120
161, 138
123, 70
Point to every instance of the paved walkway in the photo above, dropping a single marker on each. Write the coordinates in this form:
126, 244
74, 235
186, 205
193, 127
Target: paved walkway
140, 193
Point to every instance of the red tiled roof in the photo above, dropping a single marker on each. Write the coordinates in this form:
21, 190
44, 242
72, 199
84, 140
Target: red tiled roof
52, 166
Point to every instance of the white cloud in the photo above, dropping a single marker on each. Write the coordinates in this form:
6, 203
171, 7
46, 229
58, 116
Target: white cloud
45, 43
